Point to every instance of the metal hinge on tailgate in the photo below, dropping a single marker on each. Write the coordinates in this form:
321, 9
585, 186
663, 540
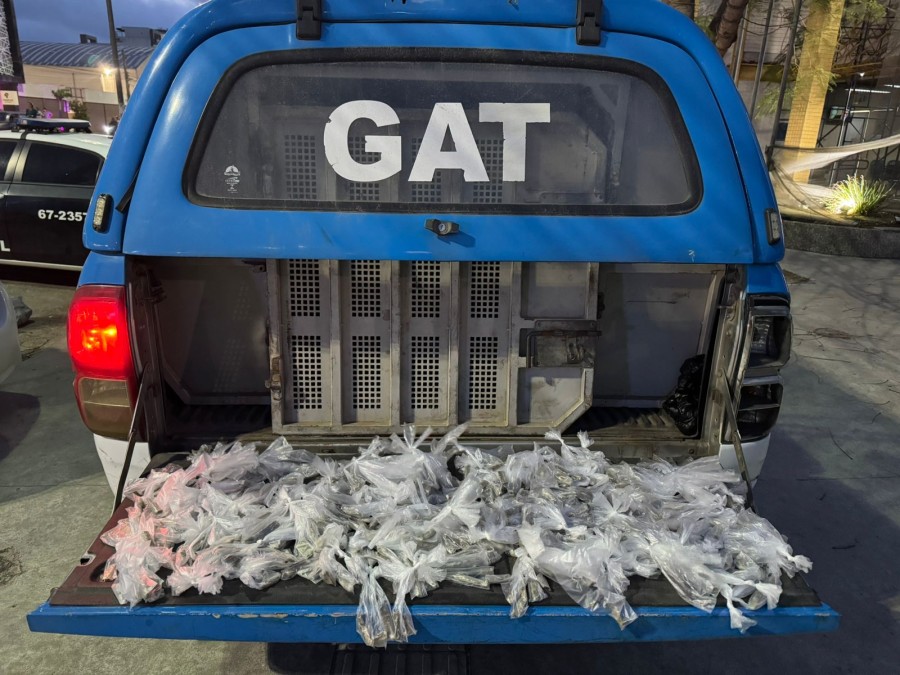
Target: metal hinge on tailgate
274, 383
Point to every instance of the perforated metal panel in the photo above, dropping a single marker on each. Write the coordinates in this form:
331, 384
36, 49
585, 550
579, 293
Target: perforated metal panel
426, 305
365, 380
484, 355
300, 163
362, 192
491, 150
371, 345
484, 288
304, 288
425, 290
424, 372
365, 288
306, 361
427, 193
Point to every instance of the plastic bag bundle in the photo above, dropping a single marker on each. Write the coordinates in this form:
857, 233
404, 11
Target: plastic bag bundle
525, 584
409, 513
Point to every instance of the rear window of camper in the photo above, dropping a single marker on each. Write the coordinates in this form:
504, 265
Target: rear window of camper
443, 131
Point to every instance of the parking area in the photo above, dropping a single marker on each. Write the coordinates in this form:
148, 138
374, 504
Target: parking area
831, 484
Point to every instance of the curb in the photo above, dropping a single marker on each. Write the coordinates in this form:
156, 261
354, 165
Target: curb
860, 242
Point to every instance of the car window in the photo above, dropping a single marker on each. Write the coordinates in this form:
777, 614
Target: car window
48, 163
6, 150
561, 136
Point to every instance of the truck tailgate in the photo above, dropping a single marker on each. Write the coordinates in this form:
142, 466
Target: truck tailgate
297, 610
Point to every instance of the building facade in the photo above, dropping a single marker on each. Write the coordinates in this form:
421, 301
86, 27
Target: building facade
85, 70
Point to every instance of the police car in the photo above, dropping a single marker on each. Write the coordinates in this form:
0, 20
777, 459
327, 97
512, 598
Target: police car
47, 181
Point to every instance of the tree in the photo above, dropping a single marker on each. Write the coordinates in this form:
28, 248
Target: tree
725, 23
726, 20
79, 110
722, 25
61, 95
686, 7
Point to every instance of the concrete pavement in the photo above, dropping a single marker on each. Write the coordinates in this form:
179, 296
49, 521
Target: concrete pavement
831, 484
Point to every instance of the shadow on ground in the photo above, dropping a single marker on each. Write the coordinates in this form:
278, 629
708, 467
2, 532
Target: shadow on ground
42, 440
18, 414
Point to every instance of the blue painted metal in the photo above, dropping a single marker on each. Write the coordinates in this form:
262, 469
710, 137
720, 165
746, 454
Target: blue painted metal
103, 268
637, 17
434, 624
767, 280
163, 222
664, 23
524, 12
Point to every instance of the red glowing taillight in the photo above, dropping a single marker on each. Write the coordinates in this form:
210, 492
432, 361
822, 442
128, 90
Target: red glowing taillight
100, 349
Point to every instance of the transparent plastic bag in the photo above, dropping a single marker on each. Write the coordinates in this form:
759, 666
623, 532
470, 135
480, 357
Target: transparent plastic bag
531, 469
690, 571
265, 566
398, 513
281, 459
232, 462
206, 573
591, 574
374, 617
586, 466
136, 563
754, 539
525, 585
463, 509
414, 575
326, 564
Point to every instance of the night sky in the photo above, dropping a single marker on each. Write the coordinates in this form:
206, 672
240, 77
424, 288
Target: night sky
64, 20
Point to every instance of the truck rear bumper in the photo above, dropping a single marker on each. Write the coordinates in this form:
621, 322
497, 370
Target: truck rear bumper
449, 624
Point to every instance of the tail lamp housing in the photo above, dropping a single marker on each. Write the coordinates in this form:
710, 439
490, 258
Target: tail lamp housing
770, 337
99, 342
759, 407
770, 348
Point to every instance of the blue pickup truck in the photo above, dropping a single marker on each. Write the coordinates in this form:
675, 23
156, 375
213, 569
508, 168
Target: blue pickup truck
324, 220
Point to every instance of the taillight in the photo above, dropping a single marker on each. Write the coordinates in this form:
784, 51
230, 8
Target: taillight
100, 349
770, 343
759, 406
770, 349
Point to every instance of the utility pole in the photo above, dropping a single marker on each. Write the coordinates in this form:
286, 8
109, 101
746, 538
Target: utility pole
114, 43
127, 79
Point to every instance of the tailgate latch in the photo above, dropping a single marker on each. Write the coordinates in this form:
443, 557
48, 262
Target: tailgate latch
274, 382
309, 19
587, 28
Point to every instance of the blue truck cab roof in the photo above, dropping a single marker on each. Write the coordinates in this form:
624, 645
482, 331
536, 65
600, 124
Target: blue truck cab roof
145, 173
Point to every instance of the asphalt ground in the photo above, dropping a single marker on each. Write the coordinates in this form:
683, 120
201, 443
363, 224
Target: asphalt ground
831, 484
